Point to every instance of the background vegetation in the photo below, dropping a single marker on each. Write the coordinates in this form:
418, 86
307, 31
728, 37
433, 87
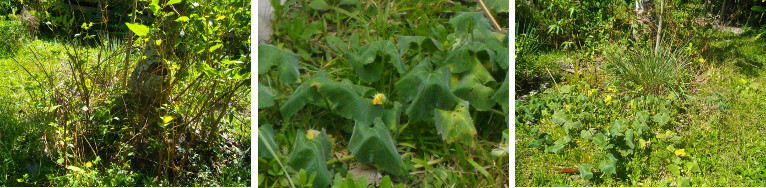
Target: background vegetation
384, 93
70, 118
607, 97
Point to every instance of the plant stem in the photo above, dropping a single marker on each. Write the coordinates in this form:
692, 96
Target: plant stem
416, 166
498, 112
342, 159
489, 15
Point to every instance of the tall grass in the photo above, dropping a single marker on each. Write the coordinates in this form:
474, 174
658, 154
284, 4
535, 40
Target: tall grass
652, 73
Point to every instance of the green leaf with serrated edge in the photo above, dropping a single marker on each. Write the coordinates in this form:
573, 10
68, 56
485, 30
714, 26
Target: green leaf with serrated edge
559, 117
608, 165
600, 140
501, 95
138, 29
585, 171
265, 96
455, 124
286, 62
420, 42
311, 155
266, 137
425, 89
373, 144
370, 60
639, 123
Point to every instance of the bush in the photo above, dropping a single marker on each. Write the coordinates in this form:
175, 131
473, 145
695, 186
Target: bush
12, 32
653, 72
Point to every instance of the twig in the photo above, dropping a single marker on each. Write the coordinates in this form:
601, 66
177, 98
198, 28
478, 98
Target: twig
489, 15
554, 79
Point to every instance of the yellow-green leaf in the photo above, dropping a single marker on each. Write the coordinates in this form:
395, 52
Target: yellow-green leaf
166, 119
182, 19
215, 47
681, 152
138, 29
170, 2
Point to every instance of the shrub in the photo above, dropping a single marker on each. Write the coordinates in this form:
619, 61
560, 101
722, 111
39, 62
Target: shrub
653, 72
9, 6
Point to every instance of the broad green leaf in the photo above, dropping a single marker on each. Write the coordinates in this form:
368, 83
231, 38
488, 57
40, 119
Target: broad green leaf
674, 170
455, 124
138, 29
629, 138
343, 98
471, 56
373, 144
617, 127
501, 95
265, 96
386, 182
311, 155
286, 62
608, 165
215, 47
75, 169
471, 89
600, 140
369, 63
692, 166
559, 117
640, 122
425, 89
497, 6
661, 118
182, 19
586, 134
170, 2
760, 9
420, 42
585, 171
266, 143
473, 23
319, 5
60, 161
559, 145
569, 125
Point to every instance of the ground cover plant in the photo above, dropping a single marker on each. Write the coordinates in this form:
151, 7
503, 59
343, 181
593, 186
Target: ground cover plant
157, 96
384, 93
670, 97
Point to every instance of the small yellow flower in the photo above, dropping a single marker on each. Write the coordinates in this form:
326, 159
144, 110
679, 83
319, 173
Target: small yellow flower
702, 60
378, 99
311, 134
608, 99
88, 165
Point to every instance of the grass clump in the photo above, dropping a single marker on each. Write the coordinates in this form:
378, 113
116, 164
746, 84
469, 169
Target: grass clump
10, 35
649, 71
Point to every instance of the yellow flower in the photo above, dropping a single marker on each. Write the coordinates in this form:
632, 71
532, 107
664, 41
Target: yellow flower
681, 152
311, 134
608, 99
702, 60
88, 165
378, 99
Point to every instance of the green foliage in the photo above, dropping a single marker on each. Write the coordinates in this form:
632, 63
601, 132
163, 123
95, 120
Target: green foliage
310, 153
373, 144
12, 35
456, 124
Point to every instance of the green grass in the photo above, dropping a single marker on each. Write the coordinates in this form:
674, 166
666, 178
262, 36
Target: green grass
718, 121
